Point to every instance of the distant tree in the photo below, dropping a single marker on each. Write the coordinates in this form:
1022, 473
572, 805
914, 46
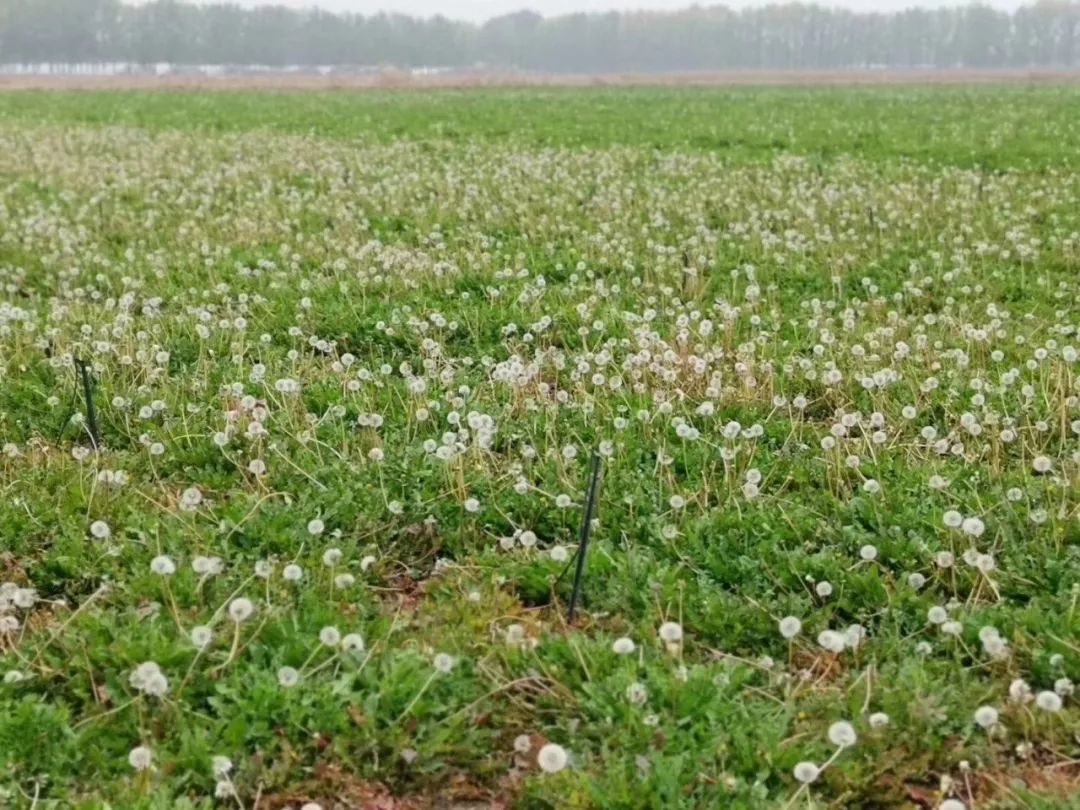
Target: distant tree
163, 31
789, 36
56, 30
511, 39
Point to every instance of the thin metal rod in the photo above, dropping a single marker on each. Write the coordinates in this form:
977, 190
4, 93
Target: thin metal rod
586, 530
91, 413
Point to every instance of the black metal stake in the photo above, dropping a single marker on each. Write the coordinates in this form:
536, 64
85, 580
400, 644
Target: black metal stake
586, 530
88, 393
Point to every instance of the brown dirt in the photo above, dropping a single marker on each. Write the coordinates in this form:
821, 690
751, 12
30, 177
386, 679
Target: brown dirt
1045, 775
337, 789
398, 79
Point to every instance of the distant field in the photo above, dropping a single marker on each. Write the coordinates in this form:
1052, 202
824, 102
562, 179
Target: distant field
398, 79
350, 354
990, 126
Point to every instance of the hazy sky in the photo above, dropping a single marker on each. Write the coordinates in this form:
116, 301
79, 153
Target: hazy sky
479, 10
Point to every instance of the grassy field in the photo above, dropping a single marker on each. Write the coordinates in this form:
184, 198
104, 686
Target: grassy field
978, 126
350, 355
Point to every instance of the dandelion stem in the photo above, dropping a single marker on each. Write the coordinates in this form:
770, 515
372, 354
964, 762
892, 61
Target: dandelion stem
172, 605
583, 540
108, 713
232, 650
417, 696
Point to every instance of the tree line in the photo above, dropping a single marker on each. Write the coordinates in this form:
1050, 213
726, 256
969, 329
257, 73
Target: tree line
789, 36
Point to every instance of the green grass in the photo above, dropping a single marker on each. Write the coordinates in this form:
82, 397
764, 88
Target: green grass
989, 126
803, 326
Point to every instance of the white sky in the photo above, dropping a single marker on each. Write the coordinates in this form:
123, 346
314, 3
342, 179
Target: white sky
480, 10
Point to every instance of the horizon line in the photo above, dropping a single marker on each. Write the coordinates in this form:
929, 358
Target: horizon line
312, 6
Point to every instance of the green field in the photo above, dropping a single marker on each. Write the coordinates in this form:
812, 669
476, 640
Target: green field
350, 354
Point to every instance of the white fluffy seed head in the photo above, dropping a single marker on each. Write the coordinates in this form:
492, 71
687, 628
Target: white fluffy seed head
329, 636
163, 566
831, 641
522, 743
806, 772
790, 626
201, 636
1019, 691
671, 632
842, 734
140, 757
149, 679
1048, 701
988, 633
240, 609
443, 663
552, 758
986, 716
221, 766
973, 527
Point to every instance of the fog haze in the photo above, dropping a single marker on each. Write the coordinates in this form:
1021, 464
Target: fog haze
480, 10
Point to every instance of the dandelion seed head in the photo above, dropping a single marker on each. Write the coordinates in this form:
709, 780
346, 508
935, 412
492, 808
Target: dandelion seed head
552, 758
790, 627
443, 663
842, 734
140, 758
671, 632
1048, 701
806, 772
986, 716
240, 609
